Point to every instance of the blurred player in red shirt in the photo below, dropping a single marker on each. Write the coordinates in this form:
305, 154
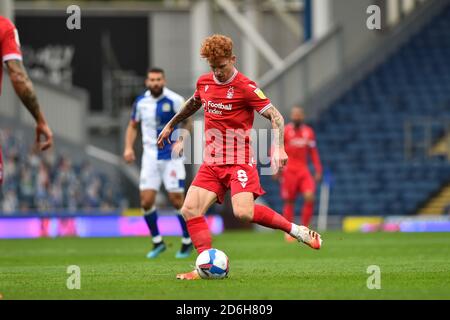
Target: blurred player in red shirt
229, 100
12, 57
300, 145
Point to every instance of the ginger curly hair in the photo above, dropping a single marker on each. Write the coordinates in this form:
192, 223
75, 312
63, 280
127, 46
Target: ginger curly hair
217, 46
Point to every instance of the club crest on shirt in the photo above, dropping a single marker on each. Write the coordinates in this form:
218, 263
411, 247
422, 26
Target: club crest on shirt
230, 93
166, 107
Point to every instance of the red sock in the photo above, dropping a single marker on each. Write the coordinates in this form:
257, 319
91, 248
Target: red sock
288, 211
268, 218
199, 233
307, 212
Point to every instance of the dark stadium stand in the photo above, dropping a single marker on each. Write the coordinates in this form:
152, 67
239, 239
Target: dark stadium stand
361, 136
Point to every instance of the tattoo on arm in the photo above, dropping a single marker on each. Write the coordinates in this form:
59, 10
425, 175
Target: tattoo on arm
190, 107
23, 87
277, 121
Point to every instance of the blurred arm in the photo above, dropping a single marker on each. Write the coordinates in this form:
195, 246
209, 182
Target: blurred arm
315, 158
130, 138
130, 135
24, 88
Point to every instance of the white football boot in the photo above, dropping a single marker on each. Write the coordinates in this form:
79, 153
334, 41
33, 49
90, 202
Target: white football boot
307, 236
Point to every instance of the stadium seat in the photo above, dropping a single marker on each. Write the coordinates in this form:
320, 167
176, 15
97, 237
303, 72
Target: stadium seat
361, 135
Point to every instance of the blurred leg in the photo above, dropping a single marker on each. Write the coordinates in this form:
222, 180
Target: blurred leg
150, 214
308, 209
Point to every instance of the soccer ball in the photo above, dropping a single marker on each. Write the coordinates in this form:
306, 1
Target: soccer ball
212, 264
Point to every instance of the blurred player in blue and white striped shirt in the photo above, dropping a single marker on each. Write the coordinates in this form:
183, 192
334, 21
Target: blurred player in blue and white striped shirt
153, 110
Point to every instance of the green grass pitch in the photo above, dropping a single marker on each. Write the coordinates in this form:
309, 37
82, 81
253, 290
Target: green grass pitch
262, 266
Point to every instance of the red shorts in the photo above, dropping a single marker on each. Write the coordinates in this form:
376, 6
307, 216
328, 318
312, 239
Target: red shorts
237, 177
294, 182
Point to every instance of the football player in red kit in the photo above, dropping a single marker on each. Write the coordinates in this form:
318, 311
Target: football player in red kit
12, 57
229, 100
300, 145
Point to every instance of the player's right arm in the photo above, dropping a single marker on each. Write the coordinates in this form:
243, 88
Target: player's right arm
189, 108
130, 137
131, 133
25, 91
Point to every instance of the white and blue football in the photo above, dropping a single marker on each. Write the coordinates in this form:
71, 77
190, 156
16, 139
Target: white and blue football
212, 264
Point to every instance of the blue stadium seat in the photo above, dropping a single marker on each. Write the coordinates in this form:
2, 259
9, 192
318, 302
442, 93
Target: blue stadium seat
361, 135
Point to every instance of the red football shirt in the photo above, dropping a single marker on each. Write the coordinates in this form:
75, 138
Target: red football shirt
300, 144
229, 112
9, 44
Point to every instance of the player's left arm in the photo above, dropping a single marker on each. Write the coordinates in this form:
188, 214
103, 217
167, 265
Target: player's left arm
315, 158
279, 156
